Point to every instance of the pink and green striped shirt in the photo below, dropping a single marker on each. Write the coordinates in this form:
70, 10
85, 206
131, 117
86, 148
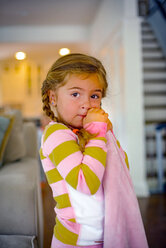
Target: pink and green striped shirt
75, 178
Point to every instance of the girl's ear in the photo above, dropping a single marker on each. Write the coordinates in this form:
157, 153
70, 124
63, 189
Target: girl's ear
52, 97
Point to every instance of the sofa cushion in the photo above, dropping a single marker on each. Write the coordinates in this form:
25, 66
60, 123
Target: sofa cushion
15, 148
26, 169
16, 241
6, 123
30, 137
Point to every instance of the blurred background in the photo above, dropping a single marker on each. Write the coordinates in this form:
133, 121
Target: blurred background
129, 37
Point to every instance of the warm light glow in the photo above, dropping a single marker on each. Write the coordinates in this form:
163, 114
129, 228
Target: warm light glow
64, 51
20, 55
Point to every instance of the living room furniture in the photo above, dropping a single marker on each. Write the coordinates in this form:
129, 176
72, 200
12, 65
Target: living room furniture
21, 213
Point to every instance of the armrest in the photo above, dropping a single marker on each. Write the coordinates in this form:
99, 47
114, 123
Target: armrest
18, 208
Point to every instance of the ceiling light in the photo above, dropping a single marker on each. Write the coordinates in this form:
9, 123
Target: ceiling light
20, 55
64, 51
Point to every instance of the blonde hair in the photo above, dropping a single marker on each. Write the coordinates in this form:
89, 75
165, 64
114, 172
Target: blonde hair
74, 63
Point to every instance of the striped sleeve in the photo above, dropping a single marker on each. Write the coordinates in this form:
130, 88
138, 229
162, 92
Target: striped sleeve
83, 171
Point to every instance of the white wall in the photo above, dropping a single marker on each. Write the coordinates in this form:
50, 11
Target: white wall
134, 111
106, 23
116, 41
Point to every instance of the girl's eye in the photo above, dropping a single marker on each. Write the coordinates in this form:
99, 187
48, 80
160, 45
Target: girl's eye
75, 94
95, 96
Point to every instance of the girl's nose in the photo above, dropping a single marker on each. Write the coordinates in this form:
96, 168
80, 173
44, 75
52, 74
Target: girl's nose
86, 104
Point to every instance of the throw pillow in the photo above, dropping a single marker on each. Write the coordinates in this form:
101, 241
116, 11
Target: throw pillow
6, 123
15, 148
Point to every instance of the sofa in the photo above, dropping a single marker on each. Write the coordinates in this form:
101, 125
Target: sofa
21, 213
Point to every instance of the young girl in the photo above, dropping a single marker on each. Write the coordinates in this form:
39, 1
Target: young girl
73, 150
73, 153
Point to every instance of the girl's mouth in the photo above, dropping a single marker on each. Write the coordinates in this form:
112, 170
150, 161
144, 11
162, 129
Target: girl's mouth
83, 116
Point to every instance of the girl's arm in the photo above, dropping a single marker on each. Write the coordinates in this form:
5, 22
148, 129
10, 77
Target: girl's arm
83, 171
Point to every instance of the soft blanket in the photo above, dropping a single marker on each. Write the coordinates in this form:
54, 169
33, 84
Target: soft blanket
123, 223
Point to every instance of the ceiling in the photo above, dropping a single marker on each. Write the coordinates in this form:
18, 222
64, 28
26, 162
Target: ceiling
38, 13
47, 12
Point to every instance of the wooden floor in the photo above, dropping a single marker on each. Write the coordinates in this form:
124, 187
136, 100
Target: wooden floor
153, 210
49, 216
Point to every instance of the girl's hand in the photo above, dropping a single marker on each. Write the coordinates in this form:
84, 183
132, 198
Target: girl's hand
95, 114
109, 125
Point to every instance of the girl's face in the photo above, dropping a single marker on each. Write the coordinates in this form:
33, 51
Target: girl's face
75, 98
